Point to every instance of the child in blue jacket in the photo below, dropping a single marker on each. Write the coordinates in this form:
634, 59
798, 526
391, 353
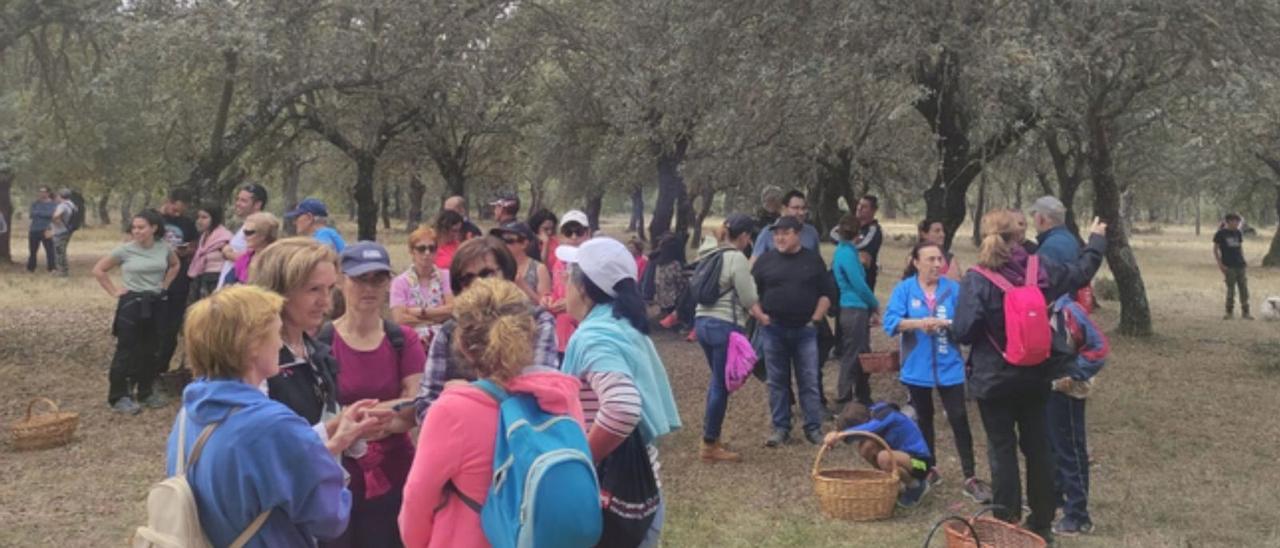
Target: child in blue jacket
920, 310
908, 451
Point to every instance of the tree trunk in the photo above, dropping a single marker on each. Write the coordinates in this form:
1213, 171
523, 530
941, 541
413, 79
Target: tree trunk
386, 207
1135, 311
1273, 254
366, 204
595, 201
104, 214
708, 197
290, 180
6, 211
978, 211
417, 189
835, 176
126, 209
636, 224
397, 195
671, 188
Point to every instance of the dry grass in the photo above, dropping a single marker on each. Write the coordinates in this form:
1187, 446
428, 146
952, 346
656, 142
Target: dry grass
1180, 425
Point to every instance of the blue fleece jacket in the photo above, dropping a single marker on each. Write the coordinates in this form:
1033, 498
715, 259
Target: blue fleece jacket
898, 430
920, 350
262, 457
852, 278
1058, 244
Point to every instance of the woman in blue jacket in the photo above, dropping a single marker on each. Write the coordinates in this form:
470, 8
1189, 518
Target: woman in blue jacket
921, 309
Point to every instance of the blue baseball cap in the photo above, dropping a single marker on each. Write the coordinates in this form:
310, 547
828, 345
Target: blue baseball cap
364, 257
312, 206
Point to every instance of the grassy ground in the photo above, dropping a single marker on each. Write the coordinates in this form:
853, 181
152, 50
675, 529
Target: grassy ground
1180, 425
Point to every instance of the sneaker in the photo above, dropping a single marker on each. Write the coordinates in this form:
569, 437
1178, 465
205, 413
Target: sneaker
670, 321
1069, 528
693, 336
912, 494
717, 452
933, 477
1228, 316
1246, 316
155, 401
778, 437
977, 490
814, 436
126, 406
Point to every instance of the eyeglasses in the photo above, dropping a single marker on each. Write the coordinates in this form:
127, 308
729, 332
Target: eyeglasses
514, 241
372, 278
466, 279
428, 248
248, 233
574, 232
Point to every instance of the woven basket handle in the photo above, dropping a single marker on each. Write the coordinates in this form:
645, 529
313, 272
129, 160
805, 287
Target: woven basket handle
851, 434
943, 521
34, 401
986, 508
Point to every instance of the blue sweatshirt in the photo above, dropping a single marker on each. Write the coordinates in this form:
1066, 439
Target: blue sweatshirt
852, 278
1058, 244
264, 456
898, 430
330, 237
920, 350
41, 215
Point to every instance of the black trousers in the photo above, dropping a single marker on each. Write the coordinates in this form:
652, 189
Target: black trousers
34, 241
136, 327
174, 309
953, 402
1013, 423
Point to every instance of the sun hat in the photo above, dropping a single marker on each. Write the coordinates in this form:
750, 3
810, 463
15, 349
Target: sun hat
605, 261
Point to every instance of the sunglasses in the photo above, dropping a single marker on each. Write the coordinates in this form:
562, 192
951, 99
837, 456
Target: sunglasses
514, 241
250, 232
428, 248
466, 279
574, 232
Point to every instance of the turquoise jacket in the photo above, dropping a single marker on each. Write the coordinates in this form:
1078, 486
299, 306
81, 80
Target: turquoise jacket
851, 278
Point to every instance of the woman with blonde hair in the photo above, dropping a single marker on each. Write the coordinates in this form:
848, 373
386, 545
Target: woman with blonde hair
256, 469
453, 466
260, 231
1012, 398
421, 297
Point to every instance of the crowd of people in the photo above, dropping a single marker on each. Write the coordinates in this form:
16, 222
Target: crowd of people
315, 360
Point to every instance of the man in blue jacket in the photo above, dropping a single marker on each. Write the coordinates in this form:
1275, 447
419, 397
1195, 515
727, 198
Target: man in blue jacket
1056, 242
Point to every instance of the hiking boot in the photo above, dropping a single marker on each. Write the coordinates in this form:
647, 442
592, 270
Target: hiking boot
1068, 527
778, 437
1228, 316
977, 490
126, 406
717, 452
155, 401
814, 436
1246, 316
912, 494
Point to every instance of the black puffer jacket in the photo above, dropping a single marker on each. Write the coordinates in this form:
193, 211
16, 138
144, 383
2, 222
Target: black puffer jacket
980, 319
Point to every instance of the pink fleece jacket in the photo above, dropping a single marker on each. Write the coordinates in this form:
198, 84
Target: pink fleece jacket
456, 443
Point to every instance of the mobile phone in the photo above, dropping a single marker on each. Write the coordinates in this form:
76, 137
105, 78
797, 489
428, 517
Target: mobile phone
402, 406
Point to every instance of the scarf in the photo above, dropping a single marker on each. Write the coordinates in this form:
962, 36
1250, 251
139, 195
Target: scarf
1015, 269
210, 242
242, 266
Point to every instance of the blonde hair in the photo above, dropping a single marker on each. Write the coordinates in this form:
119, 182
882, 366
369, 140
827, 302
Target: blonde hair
286, 264
495, 328
1000, 232
266, 223
219, 329
423, 231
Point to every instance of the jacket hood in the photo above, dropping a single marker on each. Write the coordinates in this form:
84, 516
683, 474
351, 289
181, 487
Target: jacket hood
556, 392
209, 401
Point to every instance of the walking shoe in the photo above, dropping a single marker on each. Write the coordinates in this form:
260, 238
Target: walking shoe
977, 490
155, 401
912, 494
1069, 528
1246, 316
670, 321
1228, 316
933, 476
693, 336
717, 452
814, 436
125, 405
778, 437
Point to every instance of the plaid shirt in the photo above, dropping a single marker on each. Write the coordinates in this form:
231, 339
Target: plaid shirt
444, 365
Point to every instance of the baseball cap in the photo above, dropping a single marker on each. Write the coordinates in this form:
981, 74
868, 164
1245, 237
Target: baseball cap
1050, 207
605, 261
787, 221
514, 227
364, 257
506, 199
312, 206
739, 223
574, 216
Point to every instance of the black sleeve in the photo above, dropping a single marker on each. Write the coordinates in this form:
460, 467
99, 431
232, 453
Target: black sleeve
826, 282
969, 321
1217, 239
1068, 277
757, 274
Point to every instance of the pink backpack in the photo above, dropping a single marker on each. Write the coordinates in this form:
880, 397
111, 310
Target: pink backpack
1026, 317
741, 360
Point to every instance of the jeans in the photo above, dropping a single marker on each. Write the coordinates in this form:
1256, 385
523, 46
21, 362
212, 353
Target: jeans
787, 348
713, 335
855, 338
1071, 453
34, 241
953, 402
60, 252
136, 327
1236, 277
1015, 422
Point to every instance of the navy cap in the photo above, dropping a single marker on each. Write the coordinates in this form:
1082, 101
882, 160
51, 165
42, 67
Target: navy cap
312, 206
739, 223
787, 221
364, 257
514, 227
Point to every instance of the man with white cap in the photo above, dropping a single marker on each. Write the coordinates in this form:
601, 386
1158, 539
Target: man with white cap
575, 229
1056, 242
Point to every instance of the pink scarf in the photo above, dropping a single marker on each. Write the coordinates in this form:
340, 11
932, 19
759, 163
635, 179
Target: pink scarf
210, 242
242, 266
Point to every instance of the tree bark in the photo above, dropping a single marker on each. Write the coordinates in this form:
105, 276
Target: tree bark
386, 207
1273, 253
636, 224
978, 211
366, 203
671, 188
6, 211
595, 202
708, 197
126, 209
1135, 311
291, 178
104, 213
417, 189
835, 180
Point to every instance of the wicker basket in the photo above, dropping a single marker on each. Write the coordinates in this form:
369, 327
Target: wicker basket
855, 495
45, 430
175, 381
880, 362
991, 533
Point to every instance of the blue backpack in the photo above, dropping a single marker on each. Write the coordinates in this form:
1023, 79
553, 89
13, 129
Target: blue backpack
544, 491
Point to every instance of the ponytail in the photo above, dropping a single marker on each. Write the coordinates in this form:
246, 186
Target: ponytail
1000, 232
627, 304
495, 328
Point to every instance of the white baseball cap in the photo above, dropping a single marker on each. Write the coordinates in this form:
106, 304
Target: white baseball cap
605, 261
575, 216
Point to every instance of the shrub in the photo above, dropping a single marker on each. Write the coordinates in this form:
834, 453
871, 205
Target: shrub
1105, 289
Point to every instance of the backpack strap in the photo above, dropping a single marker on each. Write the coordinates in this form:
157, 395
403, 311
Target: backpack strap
251, 530
325, 334
996, 279
451, 488
200, 441
1033, 272
394, 334
492, 389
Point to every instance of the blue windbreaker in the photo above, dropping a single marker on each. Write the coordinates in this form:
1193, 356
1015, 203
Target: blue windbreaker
921, 352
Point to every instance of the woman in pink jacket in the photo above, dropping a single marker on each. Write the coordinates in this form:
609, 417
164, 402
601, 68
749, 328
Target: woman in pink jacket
495, 335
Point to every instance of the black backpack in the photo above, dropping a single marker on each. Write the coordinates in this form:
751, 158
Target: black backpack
705, 284
389, 328
77, 216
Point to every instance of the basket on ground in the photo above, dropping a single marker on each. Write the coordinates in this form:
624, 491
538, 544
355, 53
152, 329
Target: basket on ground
879, 362
48, 429
174, 381
991, 533
855, 494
